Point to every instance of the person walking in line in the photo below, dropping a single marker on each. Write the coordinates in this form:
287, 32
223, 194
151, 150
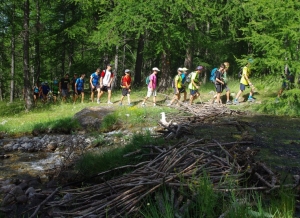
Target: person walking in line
152, 86
195, 84
64, 87
245, 82
178, 87
94, 82
79, 88
219, 82
45, 91
36, 92
225, 86
106, 79
125, 85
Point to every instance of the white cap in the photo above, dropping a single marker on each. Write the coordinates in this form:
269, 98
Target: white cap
127, 70
179, 69
184, 69
155, 69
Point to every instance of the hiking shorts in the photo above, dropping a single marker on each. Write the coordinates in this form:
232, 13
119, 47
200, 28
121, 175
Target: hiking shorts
219, 88
65, 92
125, 92
95, 88
242, 87
181, 90
194, 92
79, 92
227, 89
105, 88
151, 92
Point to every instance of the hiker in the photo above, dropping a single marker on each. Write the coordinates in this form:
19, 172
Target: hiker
94, 82
106, 79
245, 82
45, 91
195, 84
75, 77
36, 92
79, 88
225, 86
152, 86
55, 90
178, 87
219, 82
64, 87
125, 85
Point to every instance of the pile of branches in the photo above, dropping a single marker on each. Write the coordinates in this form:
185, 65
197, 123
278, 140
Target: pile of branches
174, 166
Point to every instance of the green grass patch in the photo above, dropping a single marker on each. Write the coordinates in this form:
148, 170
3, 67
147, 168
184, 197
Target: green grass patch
92, 163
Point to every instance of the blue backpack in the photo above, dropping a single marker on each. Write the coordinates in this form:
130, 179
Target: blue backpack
147, 80
213, 75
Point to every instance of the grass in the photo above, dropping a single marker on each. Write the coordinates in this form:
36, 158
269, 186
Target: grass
93, 162
209, 203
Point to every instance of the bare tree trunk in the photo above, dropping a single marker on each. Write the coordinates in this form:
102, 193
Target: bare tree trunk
114, 83
164, 74
188, 58
27, 87
37, 65
12, 69
139, 61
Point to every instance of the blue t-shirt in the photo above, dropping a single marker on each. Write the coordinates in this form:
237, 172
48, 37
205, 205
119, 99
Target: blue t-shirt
79, 84
95, 79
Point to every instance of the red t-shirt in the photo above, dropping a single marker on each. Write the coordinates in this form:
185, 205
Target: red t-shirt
126, 79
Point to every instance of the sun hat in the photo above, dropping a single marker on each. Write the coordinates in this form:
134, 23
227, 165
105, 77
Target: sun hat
155, 69
184, 69
179, 69
127, 71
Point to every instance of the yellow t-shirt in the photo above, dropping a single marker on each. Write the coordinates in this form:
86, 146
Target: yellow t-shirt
179, 81
246, 71
195, 77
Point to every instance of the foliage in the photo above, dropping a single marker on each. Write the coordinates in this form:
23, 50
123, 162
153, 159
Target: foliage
92, 163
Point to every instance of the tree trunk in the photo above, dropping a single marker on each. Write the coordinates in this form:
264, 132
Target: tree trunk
12, 67
164, 75
27, 87
139, 61
114, 83
37, 65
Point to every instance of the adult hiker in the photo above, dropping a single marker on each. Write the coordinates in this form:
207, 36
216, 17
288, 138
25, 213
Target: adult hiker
64, 87
219, 82
126, 86
79, 88
152, 86
245, 81
178, 87
95, 86
106, 79
195, 84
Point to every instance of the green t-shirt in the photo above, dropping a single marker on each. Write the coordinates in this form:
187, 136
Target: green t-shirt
195, 77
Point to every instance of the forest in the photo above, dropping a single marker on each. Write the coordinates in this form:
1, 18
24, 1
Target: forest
42, 39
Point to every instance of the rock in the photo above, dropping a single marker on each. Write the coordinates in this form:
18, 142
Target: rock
23, 185
7, 188
30, 192
27, 145
12, 195
52, 146
22, 199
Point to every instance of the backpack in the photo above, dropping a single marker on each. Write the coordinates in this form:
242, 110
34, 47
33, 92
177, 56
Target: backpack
147, 80
189, 77
213, 75
121, 83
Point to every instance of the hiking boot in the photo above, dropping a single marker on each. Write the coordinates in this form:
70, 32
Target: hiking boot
168, 105
251, 99
236, 102
109, 102
143, 104
154, 105
228, 102
120, 104
98, 101
130, 104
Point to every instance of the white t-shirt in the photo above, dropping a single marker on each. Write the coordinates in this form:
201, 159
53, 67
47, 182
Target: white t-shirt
106, 75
